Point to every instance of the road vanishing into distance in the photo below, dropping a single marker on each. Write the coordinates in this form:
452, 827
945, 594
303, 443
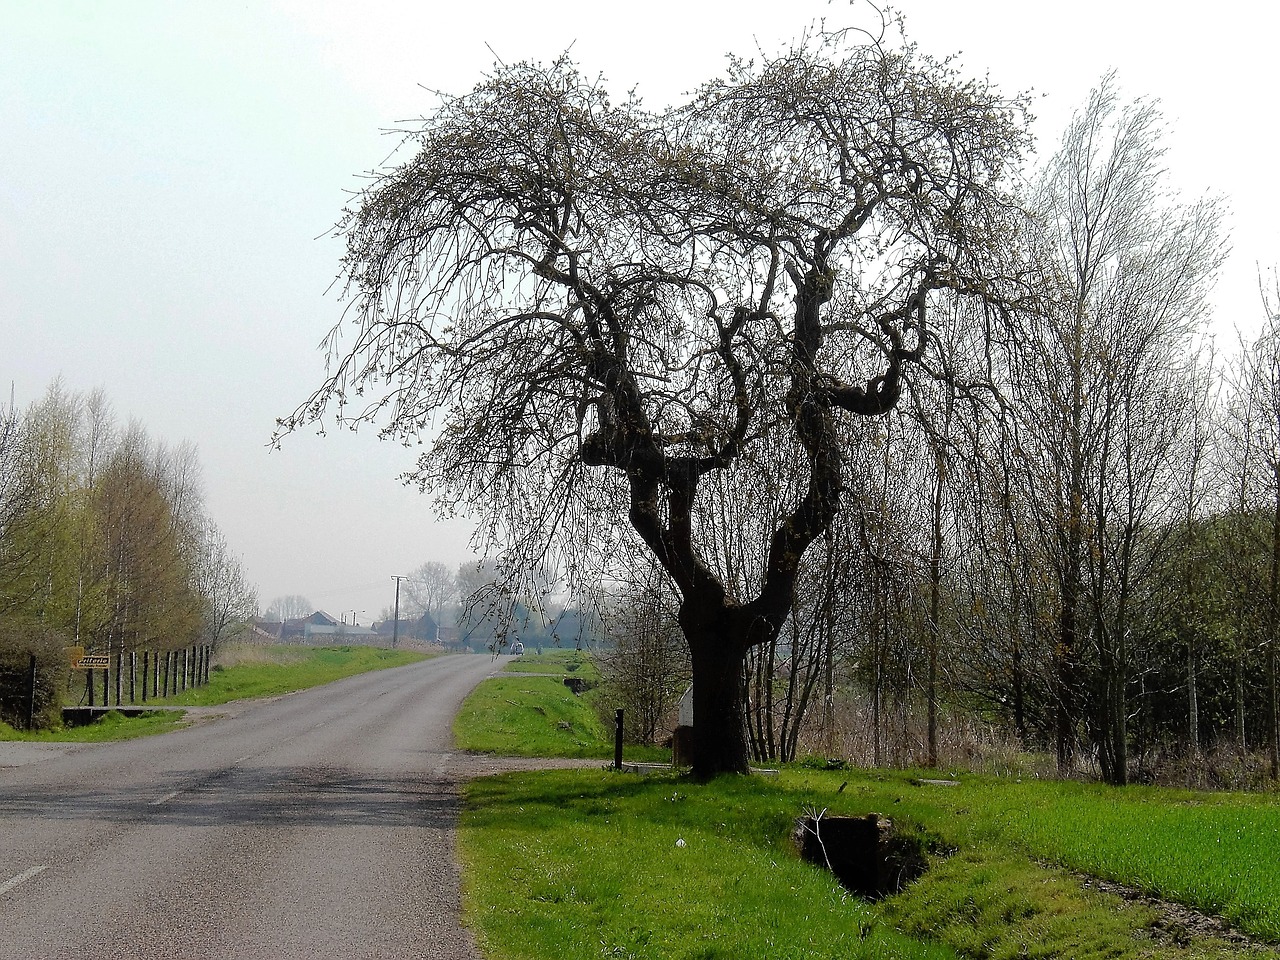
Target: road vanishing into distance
313, 825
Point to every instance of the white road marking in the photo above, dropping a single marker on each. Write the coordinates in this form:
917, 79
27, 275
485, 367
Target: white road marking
165, 799
21, 878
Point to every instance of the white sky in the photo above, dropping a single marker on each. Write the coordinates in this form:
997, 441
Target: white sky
169, 171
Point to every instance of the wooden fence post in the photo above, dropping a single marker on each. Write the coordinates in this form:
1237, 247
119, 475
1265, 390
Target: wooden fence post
617, 740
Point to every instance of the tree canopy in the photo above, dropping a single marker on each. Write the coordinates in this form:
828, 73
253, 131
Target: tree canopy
585, 308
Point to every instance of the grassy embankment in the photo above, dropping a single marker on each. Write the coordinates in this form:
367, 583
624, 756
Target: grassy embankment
529, 715
591, 863
239, 672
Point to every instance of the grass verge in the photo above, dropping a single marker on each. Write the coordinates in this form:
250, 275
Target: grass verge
239, 672
530, 716
110, 726
244, 672
579, 863
522, 714
567, 662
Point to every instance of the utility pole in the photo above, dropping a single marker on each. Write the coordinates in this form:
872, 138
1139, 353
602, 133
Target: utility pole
395, 619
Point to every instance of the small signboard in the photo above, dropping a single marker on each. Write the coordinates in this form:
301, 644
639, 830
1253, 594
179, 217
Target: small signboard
74, 655
93, 661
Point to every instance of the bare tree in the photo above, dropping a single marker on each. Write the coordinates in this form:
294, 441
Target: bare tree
1101, 390
229, 600
430, 588
588, 308
289, 607
19, 503
1256, 408
644, 664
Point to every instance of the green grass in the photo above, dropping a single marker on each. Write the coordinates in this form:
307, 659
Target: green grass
110, 726
248, 671
1183, 847
585, 862
529, 716
578, 864
525, 715
1217, 852
239, 672
568, 662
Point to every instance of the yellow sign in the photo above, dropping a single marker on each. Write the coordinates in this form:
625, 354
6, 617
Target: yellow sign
74, 655
93, 661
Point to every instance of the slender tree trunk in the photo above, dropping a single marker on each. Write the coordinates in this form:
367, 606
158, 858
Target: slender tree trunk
935, 606
1067, 676
1242, 743
1273, 632
1120, 710
1193, 701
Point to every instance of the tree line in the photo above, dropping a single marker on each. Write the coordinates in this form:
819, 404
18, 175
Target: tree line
1069, 531
105, 544
853, 387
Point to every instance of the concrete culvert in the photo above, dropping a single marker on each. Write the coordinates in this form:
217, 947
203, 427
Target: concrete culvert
869, 857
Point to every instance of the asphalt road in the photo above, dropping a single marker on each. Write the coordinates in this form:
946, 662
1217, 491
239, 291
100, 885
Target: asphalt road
314, 825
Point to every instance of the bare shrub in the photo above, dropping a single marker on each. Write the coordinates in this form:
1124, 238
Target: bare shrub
19, 641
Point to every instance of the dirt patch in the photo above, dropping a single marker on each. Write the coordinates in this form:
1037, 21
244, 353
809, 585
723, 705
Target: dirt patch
464, 766
1176, 923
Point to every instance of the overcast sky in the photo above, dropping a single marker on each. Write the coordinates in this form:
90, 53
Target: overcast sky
170, 172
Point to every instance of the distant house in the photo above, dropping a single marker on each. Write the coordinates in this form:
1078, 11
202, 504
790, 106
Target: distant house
299, 630
266, 631
296, 630
322, 634
424, 629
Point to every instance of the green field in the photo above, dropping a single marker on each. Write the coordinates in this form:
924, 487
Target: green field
591, 863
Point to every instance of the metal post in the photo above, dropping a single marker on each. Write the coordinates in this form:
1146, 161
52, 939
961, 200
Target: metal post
89, 685
617, 740
133, 676
106, 686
